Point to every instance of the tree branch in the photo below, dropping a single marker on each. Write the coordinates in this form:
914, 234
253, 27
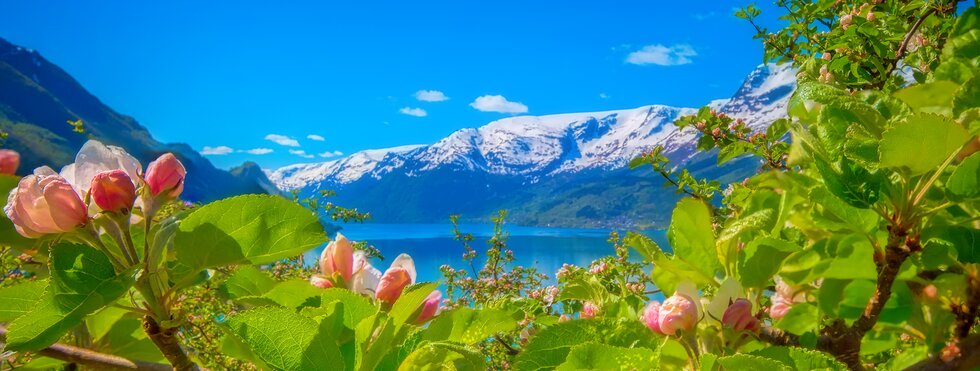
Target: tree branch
908, 37
166, 341
91, 358
776, 336
967, 359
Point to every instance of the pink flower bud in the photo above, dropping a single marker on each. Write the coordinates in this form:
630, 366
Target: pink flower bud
590, 310
321, 282
44, 203
716, 132
739, 316
651, 317
9, 161
564, 318
871, 17
338, 258
784, 299
846, 20
430, 307
392, 283
826, 56
679, 312
113, 191
165, 176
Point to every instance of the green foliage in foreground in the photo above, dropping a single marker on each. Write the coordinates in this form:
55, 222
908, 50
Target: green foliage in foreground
854, 246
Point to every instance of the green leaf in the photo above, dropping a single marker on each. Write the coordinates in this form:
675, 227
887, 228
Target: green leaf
256, 229
801, 318
294, 293
964, 183
356, 307
550, 347
935, 97
762, 259
408, 304
965, 45
921, 142
690, 235
968, 96
586, 288
851, 183
247, 280
751, 362
833, 214
443, 356
595, 356
285, 340
469, 326
82, 282
800, 359
20, 298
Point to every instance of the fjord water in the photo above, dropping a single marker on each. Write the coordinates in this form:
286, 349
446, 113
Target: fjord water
432, 245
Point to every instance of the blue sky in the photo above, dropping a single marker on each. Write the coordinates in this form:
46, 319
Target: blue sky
265, 80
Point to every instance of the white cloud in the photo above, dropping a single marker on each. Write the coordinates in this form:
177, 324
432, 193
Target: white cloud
315, 137
430, 96
703, 16
329, 154
497, 103
216, 151
417, 112
258, 151
603, 95
662, 55
282, 140
300, 153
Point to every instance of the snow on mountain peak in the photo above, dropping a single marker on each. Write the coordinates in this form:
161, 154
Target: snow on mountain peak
539, 146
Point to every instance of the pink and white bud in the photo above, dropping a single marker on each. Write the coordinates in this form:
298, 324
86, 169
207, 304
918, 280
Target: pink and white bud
165, 176
651, 317
392, 283
678, 312
396, 279
321, 282
784, 299
429, 308
9, 161
113, 191
338, 258
739, 316
589, 310
44, 203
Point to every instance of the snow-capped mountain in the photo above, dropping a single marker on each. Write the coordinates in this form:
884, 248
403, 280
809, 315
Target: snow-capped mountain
533, 150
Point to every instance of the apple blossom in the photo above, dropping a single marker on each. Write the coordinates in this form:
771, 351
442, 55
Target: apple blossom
9, 161
113, 191
45, 203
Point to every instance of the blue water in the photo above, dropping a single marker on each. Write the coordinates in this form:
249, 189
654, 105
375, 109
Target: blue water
432, 245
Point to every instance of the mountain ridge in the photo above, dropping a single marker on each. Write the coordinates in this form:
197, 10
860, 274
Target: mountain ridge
519, 161
37, 99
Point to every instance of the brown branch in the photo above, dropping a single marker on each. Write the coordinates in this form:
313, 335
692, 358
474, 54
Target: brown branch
510, 349
968, 358
776, 336
166, 341
91, 358
908, 37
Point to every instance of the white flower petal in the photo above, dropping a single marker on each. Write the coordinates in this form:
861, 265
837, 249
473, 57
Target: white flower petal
405, 261
95, 157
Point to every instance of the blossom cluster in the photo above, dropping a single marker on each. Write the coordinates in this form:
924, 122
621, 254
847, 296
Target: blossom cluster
342, 267
103, 180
